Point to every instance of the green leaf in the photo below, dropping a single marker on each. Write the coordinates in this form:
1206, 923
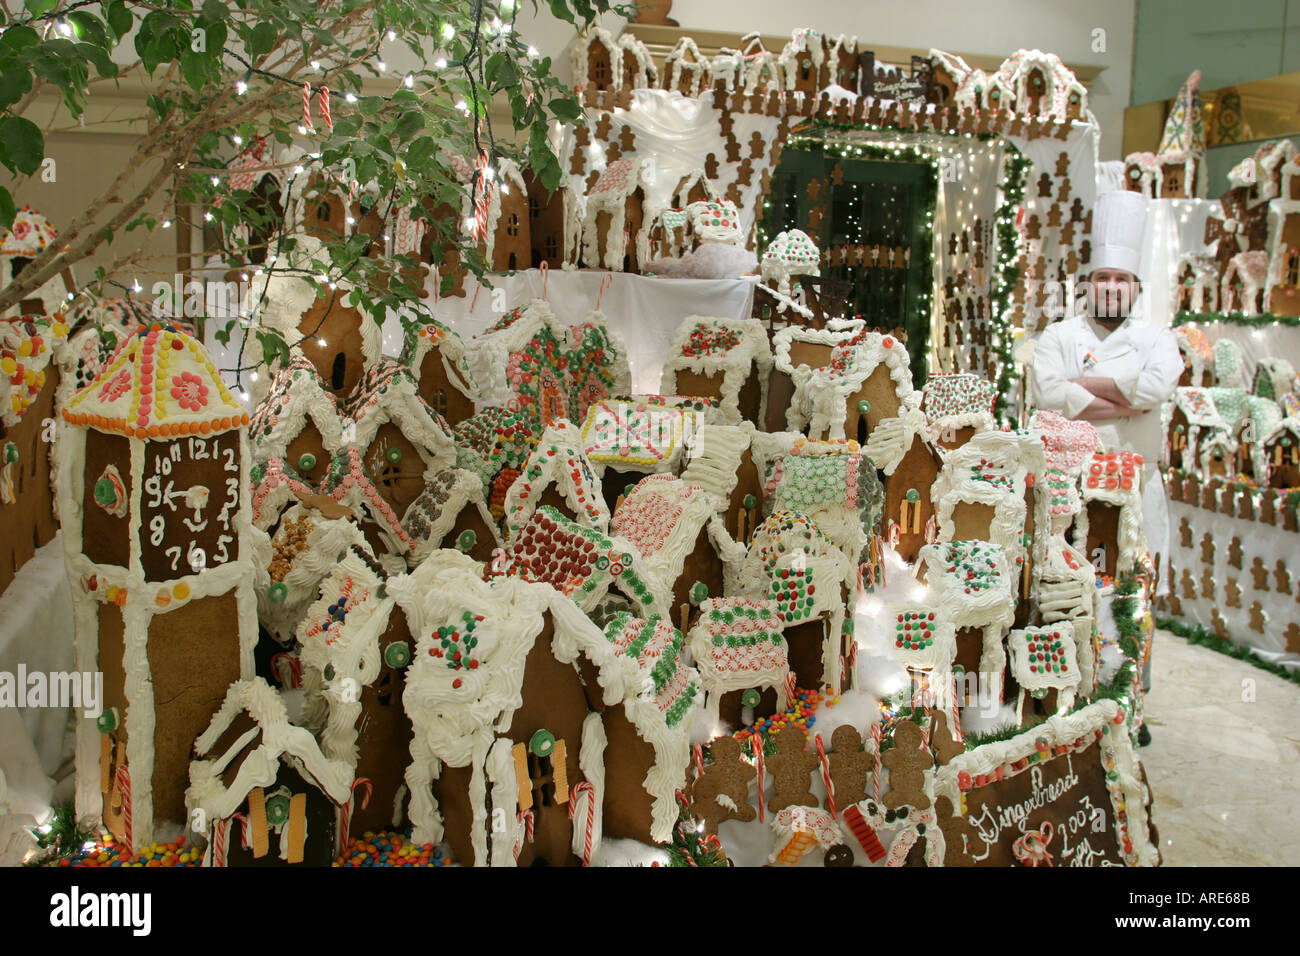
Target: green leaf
14, 85
7, 210
20, 37
88, 28
39, 7
419, 152
21, 145
119, 18
565, 110
261, 40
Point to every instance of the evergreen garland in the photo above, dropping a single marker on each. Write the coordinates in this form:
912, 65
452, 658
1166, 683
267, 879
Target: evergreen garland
1261, 321
61, 839
1195, 634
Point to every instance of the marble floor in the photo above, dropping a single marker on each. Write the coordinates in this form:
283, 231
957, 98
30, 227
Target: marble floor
1224, 761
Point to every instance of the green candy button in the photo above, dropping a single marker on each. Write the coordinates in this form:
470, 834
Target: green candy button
541, 743
277, 809
864, 406
393, 455
277, 592
306, 462
397, 654
466, 540
107, 721
751, 697
105, 493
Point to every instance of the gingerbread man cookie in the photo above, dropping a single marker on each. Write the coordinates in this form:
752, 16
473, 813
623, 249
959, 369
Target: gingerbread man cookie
907, 763
791, 768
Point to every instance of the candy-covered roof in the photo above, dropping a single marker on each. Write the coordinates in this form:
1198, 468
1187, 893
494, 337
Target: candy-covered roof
26, 347
626, 433
923, 638
737, 645
160, 384
29, 234
958, 400
1198, 407
296, 393
559, 461
1044, 657
656, 646
1067, 443
792, 252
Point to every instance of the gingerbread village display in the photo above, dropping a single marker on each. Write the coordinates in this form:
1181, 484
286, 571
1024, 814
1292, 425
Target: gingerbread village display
484, 594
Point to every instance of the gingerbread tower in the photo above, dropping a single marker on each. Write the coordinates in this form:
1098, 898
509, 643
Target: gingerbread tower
154, 489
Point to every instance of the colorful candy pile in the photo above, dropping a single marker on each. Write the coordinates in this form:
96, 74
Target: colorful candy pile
800, 714
391, 849
111, 853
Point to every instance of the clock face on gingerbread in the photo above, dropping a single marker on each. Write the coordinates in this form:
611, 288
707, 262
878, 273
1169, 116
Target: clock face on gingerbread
189, 504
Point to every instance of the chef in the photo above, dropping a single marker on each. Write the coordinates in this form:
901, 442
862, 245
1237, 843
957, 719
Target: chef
1107, 366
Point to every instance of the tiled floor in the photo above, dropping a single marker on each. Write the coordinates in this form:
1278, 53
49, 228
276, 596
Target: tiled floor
1224, 761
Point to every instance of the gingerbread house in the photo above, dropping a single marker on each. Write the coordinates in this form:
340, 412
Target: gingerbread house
357, 647
402, 440
1262, 418
29, 384
529, 722
436, 357
546, 221
27, 237
790, 253
910, 462
154, 492
1196, 283
626, 440
923, 640
261, 790
867, 380
1274, 377
1142, 174
309, 541
547, 369
682, 540
685, 68
298, 422
957, 406
972, 582
742, 660
1281, 454
1109, 526
495, 444
1065, 594
1044, 663
451, 512
352, 483
613, 223
1244, 282
1198, 357
727, 359
805, 62
835, 485
1033, 83
728, 461
948, 73
1229, 365
1282, 295
1217, 453
597, 61
1189, 416
582, 563
809, 581
797, 351
557, 474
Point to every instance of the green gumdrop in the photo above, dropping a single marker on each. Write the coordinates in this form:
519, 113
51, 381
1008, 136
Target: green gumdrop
913, 495
699, 593
306, 462
466, 539
750, 502
105, 493
277, 592
864, 406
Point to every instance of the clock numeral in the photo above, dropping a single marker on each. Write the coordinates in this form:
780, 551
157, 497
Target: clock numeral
198, 448
223, 555
157, 528
232, 464
198, 559
174, 552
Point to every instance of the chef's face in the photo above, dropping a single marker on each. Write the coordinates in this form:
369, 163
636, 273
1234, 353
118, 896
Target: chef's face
1111, 294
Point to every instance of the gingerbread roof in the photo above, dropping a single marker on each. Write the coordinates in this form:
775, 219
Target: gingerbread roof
429, 334
160, 383
623, 435
278, 739
276, 485
709, 346
295, 395
791, 253
715, 457
958, 400
1198, 407
716, 220
557, 460
923, 639
851, 363
972, 582
835, 485
27, 346
1114, 477
493, 439
1067, 443
348, 483
663, 516
1044, 657
737, 645
387, 393
580, 562
27, 235
429, 517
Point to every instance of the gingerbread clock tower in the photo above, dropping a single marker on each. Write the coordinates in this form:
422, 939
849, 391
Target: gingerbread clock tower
154, 488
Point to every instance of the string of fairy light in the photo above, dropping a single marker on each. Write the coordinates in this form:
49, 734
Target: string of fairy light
837, 140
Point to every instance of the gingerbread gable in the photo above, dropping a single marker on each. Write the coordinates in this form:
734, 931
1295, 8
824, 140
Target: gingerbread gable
728, 359
350, 484
1044, 657
388, 393
431, 518
429, 339
275, 487
296, 396
867, 379
736, 644
796, 351
556, 473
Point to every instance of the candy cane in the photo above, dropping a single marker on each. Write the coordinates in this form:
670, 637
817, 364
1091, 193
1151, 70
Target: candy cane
219, 842
122, 780
324, 99
243, 829
790, 688
588, 792
826, 775
697, 756
306, 108
757, 740
875, 768
525, 820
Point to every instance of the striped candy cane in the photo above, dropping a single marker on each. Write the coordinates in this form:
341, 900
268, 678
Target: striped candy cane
758, 768
219, 833
588, 793
324, 99
306, 108
875, 769
122, 780
526, 823
826, 775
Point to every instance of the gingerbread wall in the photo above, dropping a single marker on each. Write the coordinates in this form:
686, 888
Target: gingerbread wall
28, 521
